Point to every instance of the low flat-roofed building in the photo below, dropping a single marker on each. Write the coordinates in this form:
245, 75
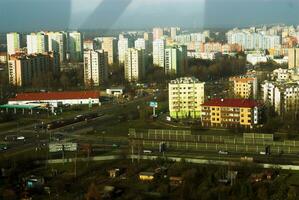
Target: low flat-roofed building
115, 91
55, 99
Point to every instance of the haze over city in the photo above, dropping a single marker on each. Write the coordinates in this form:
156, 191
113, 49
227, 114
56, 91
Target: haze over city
128, 14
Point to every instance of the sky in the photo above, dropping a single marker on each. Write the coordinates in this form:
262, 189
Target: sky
34, 15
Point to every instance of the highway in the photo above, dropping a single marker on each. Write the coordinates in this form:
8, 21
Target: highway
40, 138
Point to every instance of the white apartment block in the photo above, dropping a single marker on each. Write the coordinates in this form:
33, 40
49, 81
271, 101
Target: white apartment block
186, 95
134, 64
95, 67
158, 52
253, 40
37, 43
281, 75
284, 97
57, 43
123, 45
13, 43
141, 43
158, 33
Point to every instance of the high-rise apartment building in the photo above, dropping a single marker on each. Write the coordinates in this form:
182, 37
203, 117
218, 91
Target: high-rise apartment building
244, 86
24, 68
75, 46
175, 59
149, 39
185, 97
173, 32
37, 43
293, 55
158, 52
109, 44
123, 45
157, 33
58, 43
253, 40
13, 43
141, 43
134, 64
95, 67
89, 45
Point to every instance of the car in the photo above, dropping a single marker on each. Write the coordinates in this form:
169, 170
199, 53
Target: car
223, 152
3, 147
147, 151
115, 146
262, 153
21, 138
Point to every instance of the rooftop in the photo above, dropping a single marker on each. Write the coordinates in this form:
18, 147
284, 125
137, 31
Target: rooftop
56, 95
185, 80
240, 103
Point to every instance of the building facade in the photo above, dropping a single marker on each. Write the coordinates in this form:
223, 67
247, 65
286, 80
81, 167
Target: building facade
58, 43
95, 67
75, 47
228, 113
185, 97
157, 33
159, 53
244, 86
293, 55
13, 43
123, 45
175, 59
37, 43
109, 44
134, 64
55, 99
24, 68
284, 97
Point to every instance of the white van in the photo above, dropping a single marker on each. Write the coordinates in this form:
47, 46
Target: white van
147, 151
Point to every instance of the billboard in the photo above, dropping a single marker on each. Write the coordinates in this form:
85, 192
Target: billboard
154, 104
57, 147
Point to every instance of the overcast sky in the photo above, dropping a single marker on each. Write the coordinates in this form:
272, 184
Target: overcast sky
33, 15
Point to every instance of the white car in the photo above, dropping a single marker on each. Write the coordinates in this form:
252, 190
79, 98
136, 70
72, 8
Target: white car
262, 153
223, 152
147, 151
20, 138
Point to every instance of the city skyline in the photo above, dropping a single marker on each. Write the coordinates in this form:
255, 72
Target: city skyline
121, 14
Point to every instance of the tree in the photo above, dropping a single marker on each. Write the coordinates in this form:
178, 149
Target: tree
93, 193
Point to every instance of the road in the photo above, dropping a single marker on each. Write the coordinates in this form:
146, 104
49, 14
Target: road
42, 137
197, 160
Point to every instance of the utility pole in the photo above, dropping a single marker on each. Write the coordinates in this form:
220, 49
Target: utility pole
76, 165
132, 148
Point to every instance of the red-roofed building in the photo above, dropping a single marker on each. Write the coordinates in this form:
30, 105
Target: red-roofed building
228, 113
56, 99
